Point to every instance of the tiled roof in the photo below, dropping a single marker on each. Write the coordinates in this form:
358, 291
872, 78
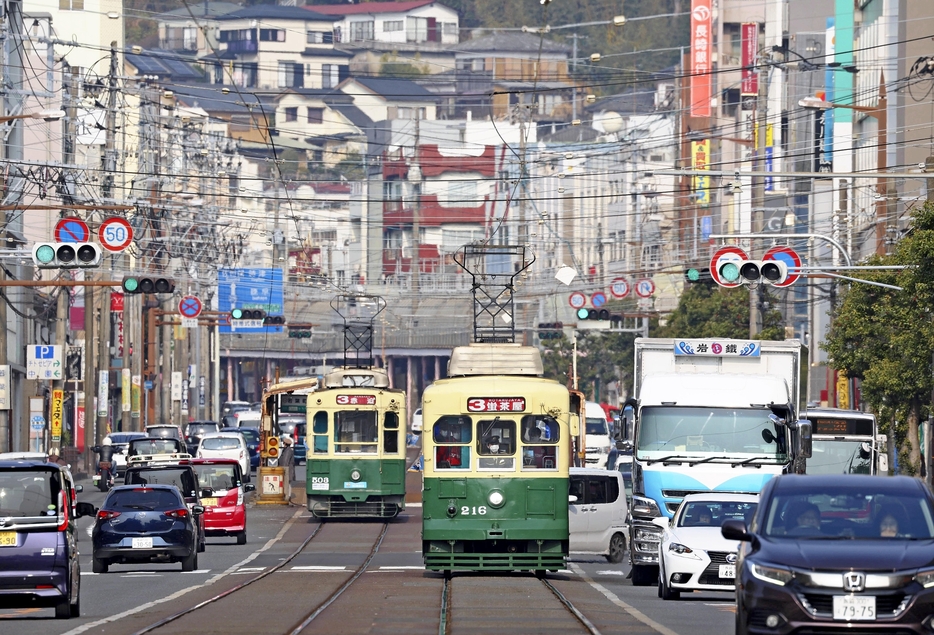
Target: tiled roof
275, 12
509, 42
396, 88
367, 7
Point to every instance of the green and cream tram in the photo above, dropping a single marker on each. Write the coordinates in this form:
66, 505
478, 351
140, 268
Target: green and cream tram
497, 447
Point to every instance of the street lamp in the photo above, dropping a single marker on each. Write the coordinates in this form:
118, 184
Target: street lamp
47, 115
879, 113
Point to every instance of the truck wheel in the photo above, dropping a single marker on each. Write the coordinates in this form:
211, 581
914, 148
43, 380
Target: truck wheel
644, 575
617, 549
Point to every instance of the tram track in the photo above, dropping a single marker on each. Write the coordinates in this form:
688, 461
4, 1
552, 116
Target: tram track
446, 624
233, 594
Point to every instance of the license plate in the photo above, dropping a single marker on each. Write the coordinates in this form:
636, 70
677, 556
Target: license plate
7, 538
142, 543
727, 570
854, 607
209, 502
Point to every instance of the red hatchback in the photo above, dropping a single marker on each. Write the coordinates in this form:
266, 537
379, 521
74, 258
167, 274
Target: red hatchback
222, 495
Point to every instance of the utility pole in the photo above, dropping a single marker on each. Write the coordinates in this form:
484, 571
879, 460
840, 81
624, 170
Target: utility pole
110, 133
90, 379
416, 210
758, 191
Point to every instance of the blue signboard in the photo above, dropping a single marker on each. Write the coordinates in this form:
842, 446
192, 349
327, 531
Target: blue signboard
706, 227
250, 289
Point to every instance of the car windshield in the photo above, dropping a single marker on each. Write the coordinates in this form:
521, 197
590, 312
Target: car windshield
217, 477
597, 426
849, 512
251, 435
142, 499
713, 513
736, 433
201, 428
153, 446
220, 443
830, 456
180, 478
28, 493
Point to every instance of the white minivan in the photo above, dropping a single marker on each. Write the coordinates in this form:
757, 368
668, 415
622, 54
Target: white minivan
597, 513
598, 438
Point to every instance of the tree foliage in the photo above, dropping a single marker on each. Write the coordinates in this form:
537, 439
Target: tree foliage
706, 310
885, 337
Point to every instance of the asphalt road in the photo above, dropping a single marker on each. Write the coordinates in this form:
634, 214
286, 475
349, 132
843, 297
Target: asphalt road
113, 602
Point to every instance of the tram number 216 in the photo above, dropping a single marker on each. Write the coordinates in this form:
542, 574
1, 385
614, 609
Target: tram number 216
466, 510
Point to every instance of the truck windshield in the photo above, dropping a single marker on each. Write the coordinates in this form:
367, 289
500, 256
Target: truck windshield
736, 433
832, 456
597, 426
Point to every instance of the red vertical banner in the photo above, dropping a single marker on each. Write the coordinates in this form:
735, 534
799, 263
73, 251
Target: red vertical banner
116, 310
750, 48
701, 47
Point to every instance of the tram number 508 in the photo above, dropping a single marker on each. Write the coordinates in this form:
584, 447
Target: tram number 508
466, 510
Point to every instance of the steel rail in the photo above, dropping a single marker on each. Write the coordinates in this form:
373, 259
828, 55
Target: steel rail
220, 596
314, 614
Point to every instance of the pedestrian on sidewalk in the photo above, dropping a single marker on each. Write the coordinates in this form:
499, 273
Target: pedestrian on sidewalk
287, 463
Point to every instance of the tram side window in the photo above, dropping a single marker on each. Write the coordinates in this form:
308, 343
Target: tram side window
539, 439
355, 431
391, 433
319, 427
446, 432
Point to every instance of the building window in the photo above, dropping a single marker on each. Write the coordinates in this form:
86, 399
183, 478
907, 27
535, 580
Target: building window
392, 25
71, 5
449, 28
320, 37
462, 193
316, 115
407, 112
422, 30
272, 35
181, 39
361, 31
291, 114
291, 75
330, 75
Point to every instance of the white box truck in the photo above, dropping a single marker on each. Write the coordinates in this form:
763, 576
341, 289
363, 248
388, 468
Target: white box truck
717, 415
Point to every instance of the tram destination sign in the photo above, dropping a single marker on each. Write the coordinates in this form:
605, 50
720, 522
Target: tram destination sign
356, 400
496, 404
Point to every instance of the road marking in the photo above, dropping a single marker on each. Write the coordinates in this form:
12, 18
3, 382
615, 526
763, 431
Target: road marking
185, 591
612, 597
610, 572
413, 568
198, 571
317, 568
141, 575
407, 505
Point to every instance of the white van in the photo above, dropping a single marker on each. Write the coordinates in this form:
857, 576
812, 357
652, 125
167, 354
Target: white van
597, 513
598, 439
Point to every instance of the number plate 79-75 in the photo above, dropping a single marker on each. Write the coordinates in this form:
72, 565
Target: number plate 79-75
854, 607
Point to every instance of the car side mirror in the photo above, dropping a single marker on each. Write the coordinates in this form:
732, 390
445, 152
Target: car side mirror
661, 521
207, 492
85, 509
735, 530
572, 498
197, 510
79, 489
249, 487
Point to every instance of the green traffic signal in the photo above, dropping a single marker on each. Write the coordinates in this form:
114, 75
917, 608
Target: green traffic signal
130, 285
729, 272
236, 314
582, 313
45, 254
693, 275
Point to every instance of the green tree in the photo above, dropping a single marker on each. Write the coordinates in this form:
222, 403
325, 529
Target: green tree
706, 310
884, 336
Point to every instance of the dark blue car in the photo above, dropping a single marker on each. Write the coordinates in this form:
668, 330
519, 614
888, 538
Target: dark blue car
251, 436
148, 523
38, 539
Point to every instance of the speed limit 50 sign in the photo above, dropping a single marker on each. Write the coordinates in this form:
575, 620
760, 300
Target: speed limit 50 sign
115, 234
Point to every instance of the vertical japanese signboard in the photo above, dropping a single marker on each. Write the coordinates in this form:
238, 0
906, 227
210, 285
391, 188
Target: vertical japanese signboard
125, 390
4, 387
701, 42
700, 151
116, 310
58, 399
749, 84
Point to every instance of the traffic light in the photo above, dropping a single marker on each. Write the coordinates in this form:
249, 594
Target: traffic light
272, 446
754, 271
299, 332
247, 314
550, 330
66, 255
274, 320
697, 275
593, 314
147, 284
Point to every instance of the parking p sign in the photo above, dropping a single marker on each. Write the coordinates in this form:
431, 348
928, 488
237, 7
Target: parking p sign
44, 362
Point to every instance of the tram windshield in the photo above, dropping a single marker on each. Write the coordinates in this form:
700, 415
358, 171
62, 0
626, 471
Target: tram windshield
355, 431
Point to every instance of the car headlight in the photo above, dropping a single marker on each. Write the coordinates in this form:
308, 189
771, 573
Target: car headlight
773, 575
643, 507
649, 533
602, 450
682, 550
925, 579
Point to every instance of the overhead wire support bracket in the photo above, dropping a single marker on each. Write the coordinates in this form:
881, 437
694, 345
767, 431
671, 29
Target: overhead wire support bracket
494, 269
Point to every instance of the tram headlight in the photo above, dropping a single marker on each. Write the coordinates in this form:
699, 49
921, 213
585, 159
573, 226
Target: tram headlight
452, 511
496, 498
355, 475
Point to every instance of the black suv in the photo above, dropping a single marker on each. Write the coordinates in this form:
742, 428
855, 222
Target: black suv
183, 477
196, 430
